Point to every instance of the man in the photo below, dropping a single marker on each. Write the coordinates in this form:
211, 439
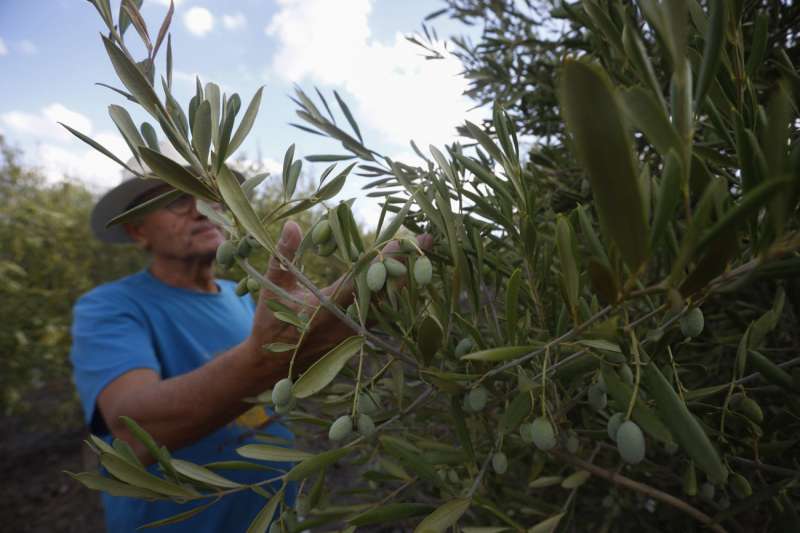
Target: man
176, 350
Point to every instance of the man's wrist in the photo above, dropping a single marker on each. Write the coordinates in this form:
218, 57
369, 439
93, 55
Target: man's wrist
267, 368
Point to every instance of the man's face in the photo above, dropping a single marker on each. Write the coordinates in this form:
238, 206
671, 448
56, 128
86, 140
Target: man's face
177, 231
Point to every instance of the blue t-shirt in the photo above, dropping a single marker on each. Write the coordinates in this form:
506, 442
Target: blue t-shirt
140, 322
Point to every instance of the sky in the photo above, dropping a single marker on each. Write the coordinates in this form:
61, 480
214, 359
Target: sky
51, 56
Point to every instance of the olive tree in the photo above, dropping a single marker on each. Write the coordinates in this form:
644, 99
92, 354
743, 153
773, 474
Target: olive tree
599, 336
47, 259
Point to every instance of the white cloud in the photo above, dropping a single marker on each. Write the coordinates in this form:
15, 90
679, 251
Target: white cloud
262, 164
275, 168
198, 20
43, 125
60, 154
27, 47
3, 49
59, 113
23, 122
391, 87
86, 164
234, 22
319, 38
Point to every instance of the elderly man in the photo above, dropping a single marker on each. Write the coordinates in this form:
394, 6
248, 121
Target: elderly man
177, 350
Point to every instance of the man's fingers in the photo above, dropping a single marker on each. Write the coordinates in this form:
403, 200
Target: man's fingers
287, 246
424, 241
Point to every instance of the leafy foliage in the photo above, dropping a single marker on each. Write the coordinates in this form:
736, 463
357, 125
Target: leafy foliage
47, 259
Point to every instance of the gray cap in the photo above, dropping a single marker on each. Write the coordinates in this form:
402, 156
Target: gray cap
119, 199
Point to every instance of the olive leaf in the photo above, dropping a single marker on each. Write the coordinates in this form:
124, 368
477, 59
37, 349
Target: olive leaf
180, 517
229, 112
213, 97
127, 128
149, 135
516, 411
246, 124
758, 46
133, 79
444, 516
642, 413
326, 192
99, 147
201, 132
266, 452
644, 111
203, 475
669, 196
114, 487
569, 267
547, 526
683, 425
594, 117
124, 471
237, 202
316, 463
322, 372
150, 444
264, 517
175, 175
712, 50
390, 513
634, 50
512, 303
748, 205
495, 355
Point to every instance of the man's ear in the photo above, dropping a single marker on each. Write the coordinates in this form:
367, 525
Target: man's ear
135, 232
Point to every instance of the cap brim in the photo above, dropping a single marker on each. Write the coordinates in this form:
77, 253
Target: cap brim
114, 203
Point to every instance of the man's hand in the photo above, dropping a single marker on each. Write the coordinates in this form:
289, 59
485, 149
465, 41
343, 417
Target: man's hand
325, 330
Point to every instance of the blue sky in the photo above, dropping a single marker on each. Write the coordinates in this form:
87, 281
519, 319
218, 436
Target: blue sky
51, 56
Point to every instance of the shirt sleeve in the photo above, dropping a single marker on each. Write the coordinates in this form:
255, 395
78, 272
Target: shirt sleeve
109, 338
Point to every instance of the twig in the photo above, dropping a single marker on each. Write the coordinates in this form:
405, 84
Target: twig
421, 398
653, 492
648, 316
266, 282
492, 309
755, 375
555, 366
391, 495
479, 477
638, 376
220, 493
767, 468
563, 338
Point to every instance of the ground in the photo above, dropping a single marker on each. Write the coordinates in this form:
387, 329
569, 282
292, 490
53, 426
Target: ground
35, 448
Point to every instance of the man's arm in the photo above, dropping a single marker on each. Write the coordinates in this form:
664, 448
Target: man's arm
181, 410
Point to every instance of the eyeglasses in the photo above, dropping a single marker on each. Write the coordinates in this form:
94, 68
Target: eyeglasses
181, 205
184, 203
